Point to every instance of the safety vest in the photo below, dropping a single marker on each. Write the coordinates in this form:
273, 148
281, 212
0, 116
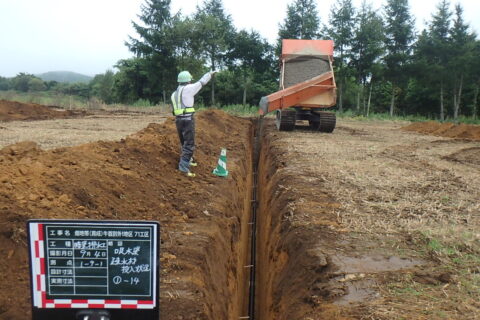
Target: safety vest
178, 107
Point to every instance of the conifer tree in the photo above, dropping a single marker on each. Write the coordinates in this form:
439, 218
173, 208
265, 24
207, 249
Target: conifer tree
367, 45
462, 51
156, 46
398, 41
475, 68
439, 32
340, 30
212, 29
302, 21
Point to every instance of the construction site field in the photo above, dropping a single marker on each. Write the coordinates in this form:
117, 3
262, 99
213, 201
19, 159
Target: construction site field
378, 220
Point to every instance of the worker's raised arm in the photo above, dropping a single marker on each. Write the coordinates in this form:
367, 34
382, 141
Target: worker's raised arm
194, 88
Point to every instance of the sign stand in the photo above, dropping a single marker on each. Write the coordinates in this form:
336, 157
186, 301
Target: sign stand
94, 270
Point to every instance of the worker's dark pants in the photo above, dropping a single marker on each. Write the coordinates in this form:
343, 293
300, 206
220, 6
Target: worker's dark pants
186, 133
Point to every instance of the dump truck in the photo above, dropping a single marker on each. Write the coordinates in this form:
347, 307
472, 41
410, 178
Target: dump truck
307, 86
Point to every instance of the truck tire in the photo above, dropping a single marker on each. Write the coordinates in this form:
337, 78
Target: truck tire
328, 121
285, 120
314, 124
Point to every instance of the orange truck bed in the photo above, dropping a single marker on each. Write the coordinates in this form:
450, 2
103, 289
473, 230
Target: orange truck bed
310, 86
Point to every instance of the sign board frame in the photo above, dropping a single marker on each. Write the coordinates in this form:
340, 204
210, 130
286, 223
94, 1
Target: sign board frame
128, 249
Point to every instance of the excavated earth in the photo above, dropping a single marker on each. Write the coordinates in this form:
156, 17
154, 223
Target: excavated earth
203, 221
12, 110
450, 130
351, 225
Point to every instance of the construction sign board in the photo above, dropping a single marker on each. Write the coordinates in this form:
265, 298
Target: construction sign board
83, 265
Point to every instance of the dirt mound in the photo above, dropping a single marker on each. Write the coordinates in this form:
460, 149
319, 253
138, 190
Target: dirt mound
136, 179
450, 130
12, 110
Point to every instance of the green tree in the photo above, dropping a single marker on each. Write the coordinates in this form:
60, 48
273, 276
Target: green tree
476, 79
102, 86
342, 24
422, 91
130, 80
36, 84
156, 46
463, 56
187, 45
367, 48
302, 21
251, 60
440, 52
398, 42
213, 28
21, 81
4, 84
76, 89
51, 84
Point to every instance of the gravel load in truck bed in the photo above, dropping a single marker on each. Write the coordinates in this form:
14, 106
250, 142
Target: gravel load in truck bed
304, 68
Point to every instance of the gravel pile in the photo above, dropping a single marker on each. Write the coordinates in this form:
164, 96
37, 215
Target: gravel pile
304, 68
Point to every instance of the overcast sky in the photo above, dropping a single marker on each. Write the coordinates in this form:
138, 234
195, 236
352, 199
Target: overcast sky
88, 36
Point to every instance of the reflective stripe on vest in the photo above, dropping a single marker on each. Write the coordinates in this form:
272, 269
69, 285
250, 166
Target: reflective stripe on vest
178, 107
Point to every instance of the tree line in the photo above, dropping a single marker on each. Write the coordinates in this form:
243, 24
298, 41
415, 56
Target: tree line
100, 86
382, 64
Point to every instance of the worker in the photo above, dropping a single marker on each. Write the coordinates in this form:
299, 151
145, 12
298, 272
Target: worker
183, 110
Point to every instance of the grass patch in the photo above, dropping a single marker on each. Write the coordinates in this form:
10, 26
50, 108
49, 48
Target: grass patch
48, 99
448, 286
239, 110
408, 291
70, 102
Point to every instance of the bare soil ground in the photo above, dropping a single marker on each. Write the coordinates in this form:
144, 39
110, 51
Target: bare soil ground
12, 110
50, 134
370, 222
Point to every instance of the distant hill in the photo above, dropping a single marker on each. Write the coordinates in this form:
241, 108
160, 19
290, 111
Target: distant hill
64, 76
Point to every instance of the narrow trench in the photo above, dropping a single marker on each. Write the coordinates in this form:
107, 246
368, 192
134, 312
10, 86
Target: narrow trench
257, 139
280, 270
248, 302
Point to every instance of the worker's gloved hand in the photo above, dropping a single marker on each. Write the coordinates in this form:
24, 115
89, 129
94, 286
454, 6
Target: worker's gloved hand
212, 73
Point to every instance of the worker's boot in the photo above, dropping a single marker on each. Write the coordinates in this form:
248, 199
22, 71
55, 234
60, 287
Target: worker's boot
193, 163
188, 173
184, 167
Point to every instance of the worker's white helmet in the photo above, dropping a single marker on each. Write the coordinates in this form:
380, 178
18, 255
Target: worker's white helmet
184, 77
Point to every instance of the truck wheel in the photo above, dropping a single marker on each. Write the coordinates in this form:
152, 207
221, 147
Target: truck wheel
314, 124
285, 120
327, 123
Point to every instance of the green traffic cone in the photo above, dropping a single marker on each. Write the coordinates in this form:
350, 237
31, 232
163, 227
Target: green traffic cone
221, 169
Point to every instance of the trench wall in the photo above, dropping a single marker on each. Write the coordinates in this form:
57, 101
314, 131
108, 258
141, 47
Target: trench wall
292, 268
